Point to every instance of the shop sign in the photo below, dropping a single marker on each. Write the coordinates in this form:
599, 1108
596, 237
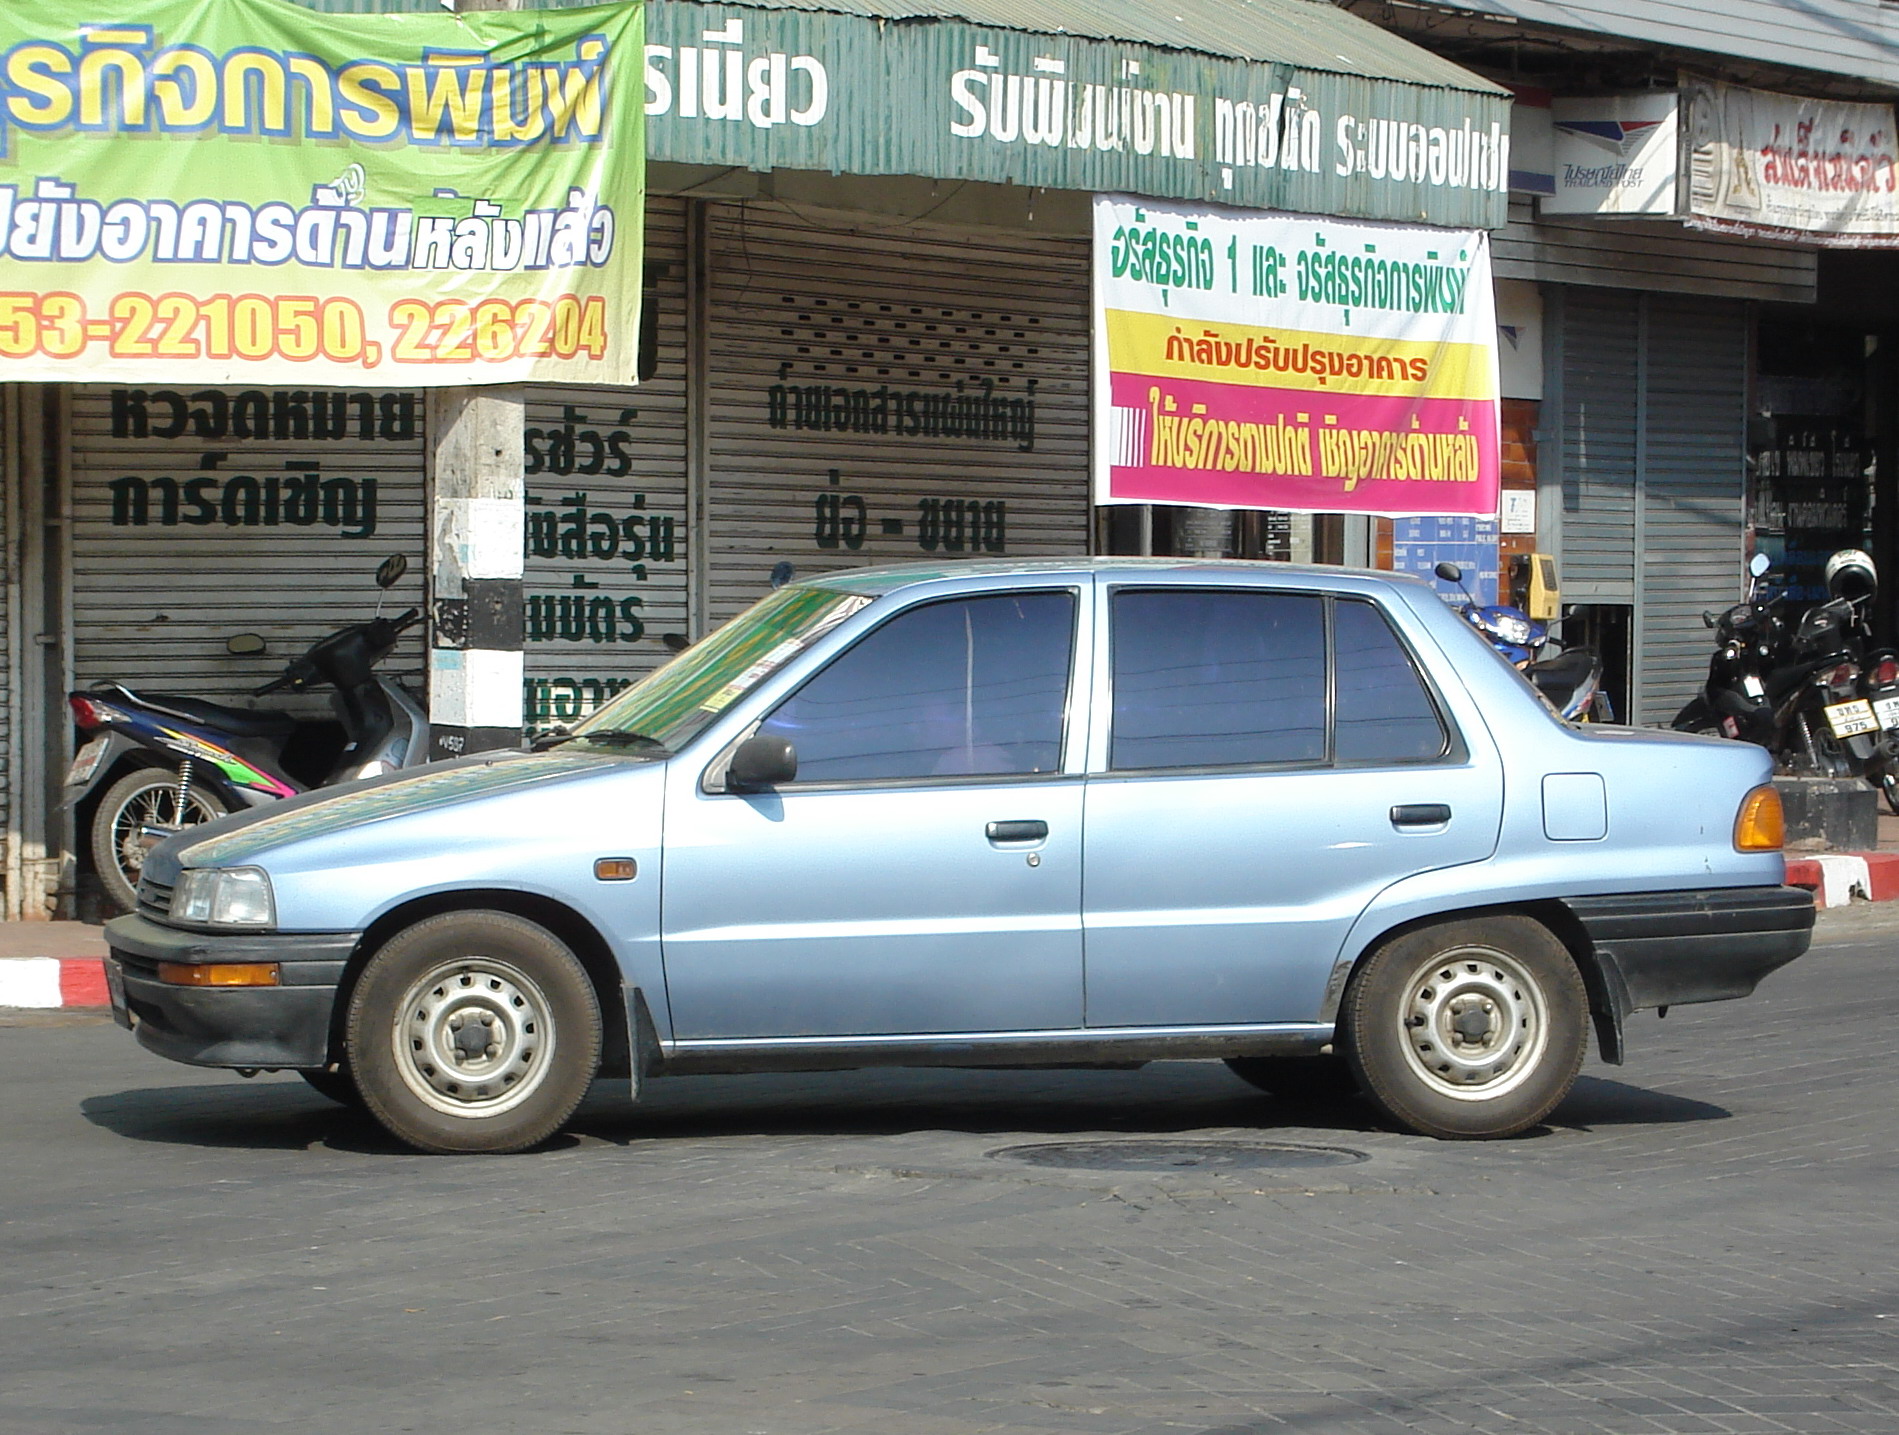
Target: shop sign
1280, 361
1787, 167
252, 193
1614, 154
804, 89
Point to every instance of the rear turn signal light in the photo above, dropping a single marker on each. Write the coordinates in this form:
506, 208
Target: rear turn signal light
1761, 827
220, 974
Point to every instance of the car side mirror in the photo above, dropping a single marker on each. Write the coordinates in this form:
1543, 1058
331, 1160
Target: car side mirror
762, 762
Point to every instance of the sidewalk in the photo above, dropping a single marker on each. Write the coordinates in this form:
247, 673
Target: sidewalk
57, 964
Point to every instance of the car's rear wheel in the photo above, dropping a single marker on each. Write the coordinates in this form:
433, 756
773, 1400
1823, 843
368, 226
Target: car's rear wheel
1297, 1078
1469, 1029
473, 1031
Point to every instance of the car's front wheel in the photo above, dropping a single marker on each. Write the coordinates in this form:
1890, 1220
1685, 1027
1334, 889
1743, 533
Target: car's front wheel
473, 1031
1469, 1029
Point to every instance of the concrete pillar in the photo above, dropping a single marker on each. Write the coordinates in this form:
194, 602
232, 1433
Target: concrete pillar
476, 541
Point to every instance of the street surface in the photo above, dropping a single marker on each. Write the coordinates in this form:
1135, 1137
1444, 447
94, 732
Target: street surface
1704, 1240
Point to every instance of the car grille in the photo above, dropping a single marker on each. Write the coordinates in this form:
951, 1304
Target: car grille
154, 897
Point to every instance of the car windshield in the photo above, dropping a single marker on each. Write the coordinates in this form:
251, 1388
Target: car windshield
667, 709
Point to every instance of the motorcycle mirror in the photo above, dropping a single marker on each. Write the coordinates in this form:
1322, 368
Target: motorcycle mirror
389, 572
675, 642
1759, 564
1449, 572
781, 573
244, 645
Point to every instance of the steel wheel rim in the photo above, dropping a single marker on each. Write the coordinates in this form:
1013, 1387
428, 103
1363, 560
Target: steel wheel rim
1474, 1024
154, 806
473, 1037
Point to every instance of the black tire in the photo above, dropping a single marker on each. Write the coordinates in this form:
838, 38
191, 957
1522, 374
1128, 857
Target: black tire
145, 794
1889, 785
1297, 1078
1469, 1030
339, 1086
531, 1043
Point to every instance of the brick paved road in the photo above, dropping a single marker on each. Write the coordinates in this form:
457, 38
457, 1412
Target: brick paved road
1705, 1240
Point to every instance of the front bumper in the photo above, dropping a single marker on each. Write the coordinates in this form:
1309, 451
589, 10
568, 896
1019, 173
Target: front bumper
281, 1026
1673, 948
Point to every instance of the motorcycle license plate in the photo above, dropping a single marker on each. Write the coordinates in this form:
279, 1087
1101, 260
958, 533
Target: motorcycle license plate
1888, 710
1851, 719
85, 762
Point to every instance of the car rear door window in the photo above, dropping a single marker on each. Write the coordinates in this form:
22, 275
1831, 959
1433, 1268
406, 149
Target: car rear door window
1383, 711
1205, 678
971, 687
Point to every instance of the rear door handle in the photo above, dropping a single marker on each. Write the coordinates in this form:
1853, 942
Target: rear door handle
1420, 814
1029, 831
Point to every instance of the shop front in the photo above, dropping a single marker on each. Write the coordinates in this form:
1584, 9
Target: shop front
863, 260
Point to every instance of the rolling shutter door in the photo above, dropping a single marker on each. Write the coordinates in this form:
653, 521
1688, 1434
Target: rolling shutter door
1600, 379
606, 568
202, 513
889, 393
1693, 478
1654, 391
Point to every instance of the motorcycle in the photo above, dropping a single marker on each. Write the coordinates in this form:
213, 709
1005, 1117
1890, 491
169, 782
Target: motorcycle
1807, 695
162, 762
1570, 679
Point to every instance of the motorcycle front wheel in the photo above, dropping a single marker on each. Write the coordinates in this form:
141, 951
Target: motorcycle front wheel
144, 798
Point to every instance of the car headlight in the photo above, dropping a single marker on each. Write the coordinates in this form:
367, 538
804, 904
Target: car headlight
224, 897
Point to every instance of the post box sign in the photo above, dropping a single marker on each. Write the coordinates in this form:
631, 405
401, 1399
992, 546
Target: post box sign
1254, 360
1614, 154
246, 192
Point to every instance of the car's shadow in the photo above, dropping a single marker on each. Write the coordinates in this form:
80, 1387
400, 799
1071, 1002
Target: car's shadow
1164, 1099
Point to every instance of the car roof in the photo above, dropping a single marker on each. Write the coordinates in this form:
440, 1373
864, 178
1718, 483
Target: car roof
890, 578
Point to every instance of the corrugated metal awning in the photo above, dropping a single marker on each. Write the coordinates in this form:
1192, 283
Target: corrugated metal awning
1312, 34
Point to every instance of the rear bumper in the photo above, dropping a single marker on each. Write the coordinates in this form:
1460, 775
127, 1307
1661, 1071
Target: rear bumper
281, 1026
1673, 948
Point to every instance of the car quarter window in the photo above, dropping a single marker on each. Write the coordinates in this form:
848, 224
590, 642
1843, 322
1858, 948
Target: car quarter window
968, 687
1205, 678
1382, 711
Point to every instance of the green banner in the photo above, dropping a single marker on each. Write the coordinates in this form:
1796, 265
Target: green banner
808, 89
244, 191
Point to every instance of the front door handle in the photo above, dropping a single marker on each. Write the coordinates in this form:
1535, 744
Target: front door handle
1421, 814
1017, 831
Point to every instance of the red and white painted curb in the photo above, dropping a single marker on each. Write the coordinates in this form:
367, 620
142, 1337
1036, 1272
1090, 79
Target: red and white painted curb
43, 982
1838, 877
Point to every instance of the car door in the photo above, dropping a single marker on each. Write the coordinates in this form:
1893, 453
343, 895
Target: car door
923, 872
1270, 761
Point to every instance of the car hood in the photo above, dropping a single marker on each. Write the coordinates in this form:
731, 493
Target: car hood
245, 837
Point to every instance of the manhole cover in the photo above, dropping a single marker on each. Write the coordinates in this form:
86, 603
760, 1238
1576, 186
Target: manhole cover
1177, 1156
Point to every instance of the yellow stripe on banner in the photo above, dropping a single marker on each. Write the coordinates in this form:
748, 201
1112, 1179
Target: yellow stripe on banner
1154, 344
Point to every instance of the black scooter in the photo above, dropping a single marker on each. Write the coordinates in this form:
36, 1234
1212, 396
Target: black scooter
166, 762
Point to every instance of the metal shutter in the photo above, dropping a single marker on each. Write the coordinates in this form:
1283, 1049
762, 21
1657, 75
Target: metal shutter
1601, 376
200, 513
1693, 471
606, 570
883, 393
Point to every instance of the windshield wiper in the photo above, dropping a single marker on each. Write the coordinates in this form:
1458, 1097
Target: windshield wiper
615, 737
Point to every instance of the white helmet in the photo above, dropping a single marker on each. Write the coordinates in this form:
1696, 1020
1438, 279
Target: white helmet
1850, 574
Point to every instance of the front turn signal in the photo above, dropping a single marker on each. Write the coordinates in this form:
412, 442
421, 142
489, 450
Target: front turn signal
220, 974
1762, 826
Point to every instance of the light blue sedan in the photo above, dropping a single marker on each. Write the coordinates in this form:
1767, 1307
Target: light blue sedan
1048, 812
